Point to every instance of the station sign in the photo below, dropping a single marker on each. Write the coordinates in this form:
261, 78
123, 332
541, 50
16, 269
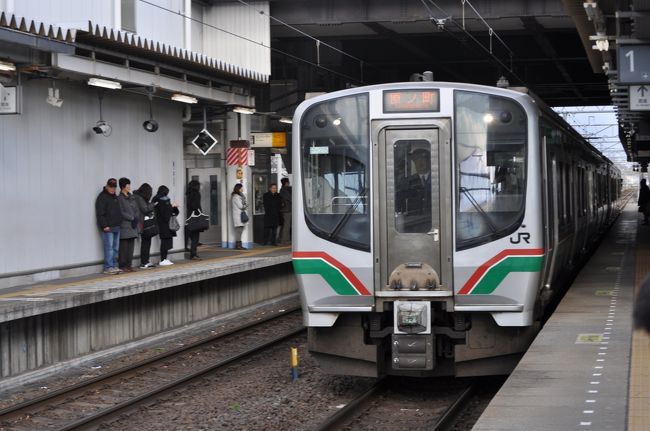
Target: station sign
266, 140
634, 64
640, 98
8, 100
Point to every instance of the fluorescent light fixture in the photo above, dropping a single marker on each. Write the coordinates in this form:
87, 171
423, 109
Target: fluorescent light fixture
286, 120
602, 45
104, 83
242, 110
7, 67
183, 98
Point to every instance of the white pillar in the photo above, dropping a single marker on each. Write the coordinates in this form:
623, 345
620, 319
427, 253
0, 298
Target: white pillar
238, 127
117, 14
187, 24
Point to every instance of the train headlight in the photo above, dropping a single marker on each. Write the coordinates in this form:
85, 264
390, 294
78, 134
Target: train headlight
412, 317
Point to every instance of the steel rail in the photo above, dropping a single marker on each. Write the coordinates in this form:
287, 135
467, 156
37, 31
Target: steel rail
20, 408
449, 416
352, 408
121, 408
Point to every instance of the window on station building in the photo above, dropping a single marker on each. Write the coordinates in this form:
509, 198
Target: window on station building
128, 15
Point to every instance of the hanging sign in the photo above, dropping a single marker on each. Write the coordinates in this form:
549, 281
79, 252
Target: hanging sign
204, 141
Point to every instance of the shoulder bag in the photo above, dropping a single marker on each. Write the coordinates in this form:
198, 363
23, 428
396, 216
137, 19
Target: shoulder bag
150, 226
197, 222
244, 217
173, 224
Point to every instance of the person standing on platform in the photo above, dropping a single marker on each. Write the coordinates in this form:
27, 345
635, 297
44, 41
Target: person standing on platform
193, 205
272, 203
644, 201
285, 210
109, 219
239, 207
146, 209
129, 227
164, 212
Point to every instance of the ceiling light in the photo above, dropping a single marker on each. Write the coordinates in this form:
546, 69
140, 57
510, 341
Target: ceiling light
183, 98
243, 110
602, 45
104, 83
286, 120
7, 67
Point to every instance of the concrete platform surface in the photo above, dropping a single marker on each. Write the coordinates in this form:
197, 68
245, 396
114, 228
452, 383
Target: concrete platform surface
24, 301
575, 376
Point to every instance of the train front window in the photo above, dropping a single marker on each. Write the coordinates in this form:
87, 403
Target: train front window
490, 167
335, 148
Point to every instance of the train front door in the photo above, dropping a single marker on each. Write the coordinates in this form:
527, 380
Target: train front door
412, 169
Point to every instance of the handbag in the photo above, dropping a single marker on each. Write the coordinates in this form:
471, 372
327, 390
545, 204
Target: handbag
243, 217
173, 224
150, 227
197, 222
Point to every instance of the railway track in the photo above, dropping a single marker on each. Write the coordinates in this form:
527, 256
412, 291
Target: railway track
368, 408
105, 397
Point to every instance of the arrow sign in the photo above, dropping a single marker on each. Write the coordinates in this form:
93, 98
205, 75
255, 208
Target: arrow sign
639, 101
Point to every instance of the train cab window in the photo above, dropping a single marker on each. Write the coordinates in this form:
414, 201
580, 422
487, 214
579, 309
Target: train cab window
335, 148
412, 173
491, 137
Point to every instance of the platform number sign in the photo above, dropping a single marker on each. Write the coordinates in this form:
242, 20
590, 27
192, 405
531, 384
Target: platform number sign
634, 64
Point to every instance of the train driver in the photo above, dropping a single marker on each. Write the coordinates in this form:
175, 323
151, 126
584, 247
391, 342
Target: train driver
413, 197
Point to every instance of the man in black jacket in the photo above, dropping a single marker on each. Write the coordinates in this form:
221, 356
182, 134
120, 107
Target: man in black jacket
272, 203
109, 219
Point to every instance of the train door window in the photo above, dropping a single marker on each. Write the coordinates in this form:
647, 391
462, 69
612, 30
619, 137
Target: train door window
561, 191
490, 146
335, 149
412, 176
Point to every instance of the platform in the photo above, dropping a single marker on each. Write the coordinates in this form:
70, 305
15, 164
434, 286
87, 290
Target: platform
30, 300
46, 324
576, 374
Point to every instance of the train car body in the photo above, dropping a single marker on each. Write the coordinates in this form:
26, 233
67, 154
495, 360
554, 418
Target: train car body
434, 221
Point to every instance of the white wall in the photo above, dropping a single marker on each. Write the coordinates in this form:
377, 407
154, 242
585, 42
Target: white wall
243, 21
66, 13
52, 166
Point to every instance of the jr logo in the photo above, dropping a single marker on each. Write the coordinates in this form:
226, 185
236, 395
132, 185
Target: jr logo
525, 236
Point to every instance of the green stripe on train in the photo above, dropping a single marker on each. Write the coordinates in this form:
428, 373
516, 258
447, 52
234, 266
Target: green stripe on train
495, 275
330, 274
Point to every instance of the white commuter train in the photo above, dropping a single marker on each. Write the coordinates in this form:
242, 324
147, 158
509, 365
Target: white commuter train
434, 221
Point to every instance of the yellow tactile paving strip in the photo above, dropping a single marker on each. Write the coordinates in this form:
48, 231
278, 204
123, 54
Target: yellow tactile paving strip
639, 394
41, 289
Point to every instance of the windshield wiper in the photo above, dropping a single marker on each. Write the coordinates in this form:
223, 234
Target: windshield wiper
479, 209
344, 219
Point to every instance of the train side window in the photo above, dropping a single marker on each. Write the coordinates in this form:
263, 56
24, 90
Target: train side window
490, 146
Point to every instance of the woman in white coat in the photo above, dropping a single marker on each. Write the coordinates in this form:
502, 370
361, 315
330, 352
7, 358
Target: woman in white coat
239, 206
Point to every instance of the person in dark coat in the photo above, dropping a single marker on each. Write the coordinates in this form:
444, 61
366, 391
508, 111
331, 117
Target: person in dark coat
644, 201
109, 219
164, 212
413, 195
146, 209
272, 204
285, 194
129, 227
193, 205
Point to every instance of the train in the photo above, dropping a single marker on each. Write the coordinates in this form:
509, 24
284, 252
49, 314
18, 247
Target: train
434, 223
